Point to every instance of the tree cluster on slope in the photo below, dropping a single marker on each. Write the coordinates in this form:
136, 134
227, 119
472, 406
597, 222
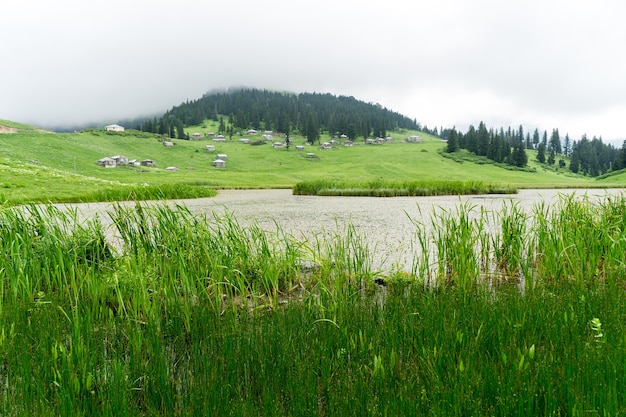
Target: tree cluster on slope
588, 157
499, 146
308, 113
593, 157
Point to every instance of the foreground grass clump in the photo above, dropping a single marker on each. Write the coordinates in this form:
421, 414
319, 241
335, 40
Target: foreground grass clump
194, 315
389, 188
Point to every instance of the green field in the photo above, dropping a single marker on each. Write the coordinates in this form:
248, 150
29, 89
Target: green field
38, 166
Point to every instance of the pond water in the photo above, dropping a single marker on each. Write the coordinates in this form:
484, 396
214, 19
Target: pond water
387, 223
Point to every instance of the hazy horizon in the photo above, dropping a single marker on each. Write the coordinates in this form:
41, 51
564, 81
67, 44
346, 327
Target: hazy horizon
539, 64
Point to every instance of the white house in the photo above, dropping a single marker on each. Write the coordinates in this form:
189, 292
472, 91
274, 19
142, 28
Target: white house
114, 128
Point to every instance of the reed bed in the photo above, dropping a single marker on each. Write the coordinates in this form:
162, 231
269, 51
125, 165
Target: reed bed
123, 192
390, 188
507, 313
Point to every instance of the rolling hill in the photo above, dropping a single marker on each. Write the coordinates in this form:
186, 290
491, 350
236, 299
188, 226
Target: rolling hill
37, 166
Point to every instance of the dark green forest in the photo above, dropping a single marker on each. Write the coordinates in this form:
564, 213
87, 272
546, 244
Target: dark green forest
588, 157
305, 113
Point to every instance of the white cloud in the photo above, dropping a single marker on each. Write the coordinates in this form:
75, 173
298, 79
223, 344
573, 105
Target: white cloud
548, 63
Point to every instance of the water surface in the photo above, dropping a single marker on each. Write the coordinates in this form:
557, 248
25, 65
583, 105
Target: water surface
388, 223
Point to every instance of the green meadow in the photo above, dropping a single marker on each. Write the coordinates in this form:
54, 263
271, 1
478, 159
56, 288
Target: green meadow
61, 167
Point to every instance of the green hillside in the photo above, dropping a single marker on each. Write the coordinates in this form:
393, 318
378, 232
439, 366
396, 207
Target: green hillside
36, 166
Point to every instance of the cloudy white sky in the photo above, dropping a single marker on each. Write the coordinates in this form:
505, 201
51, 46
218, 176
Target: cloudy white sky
540, 63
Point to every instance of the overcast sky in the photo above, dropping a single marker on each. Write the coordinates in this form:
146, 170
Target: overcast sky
540, 63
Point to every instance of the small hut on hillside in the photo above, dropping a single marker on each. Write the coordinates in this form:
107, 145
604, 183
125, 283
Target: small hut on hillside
120, 159
148, 163
114, 128
414, 139
219, 163
107, 162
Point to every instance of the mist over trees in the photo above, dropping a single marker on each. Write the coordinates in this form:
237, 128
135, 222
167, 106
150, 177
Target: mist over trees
307, 113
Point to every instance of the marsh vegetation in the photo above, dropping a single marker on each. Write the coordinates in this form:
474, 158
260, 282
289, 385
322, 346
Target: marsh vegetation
391, 188
505, 312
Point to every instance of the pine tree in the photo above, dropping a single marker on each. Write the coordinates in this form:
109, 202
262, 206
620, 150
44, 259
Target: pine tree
574, 164
311, 132
555, 142
519, 154
453, 142
535, 138
180, 130
483, 140
541, 153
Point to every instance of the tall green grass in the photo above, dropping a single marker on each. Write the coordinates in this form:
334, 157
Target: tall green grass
574, 240
505, 313
390, 188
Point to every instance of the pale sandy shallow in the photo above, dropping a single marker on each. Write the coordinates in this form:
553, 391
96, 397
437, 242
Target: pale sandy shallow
387, 223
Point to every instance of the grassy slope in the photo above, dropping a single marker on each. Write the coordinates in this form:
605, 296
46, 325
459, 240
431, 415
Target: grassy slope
34, 163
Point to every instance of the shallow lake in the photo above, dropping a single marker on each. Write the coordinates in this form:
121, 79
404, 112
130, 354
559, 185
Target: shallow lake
387, 223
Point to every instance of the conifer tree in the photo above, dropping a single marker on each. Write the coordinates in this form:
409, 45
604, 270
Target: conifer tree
541, 153
535, 138
453, 142
555, 142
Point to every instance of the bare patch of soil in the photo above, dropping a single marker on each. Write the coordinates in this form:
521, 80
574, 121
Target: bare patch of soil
7, 129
